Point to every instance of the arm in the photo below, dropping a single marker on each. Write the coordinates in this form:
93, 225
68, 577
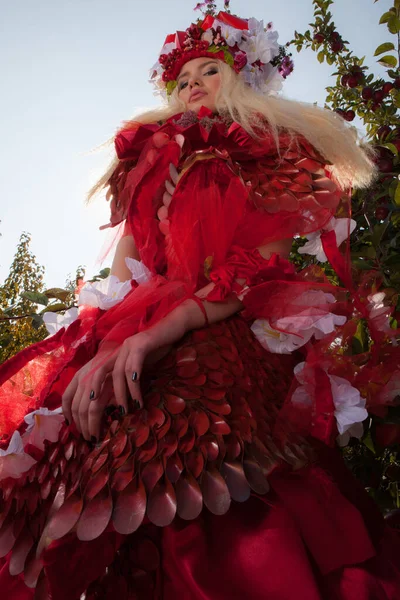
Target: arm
126, 247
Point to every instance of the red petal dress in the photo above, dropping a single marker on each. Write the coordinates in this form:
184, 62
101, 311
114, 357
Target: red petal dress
228, 483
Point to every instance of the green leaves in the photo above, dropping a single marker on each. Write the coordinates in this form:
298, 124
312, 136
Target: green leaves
58, 294
36, 297
57, 307
388, 61
394, 24
384, 48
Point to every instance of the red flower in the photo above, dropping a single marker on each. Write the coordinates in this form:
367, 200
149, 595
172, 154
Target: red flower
194, 32
240, 61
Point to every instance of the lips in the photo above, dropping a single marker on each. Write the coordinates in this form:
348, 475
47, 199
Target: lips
195, 95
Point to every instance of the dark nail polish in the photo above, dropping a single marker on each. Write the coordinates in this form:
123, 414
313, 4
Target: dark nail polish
135, 376
136, 404
91, 395
121, 410
93, 439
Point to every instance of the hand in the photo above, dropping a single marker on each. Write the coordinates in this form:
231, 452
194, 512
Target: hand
88, 394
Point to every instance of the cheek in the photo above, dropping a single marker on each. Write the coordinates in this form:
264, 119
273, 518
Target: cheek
216, 84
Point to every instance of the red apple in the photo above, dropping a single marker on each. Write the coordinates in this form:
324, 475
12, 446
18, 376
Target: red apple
349, 115
387, 87
367, 93
383, 131
319, 38
381, 213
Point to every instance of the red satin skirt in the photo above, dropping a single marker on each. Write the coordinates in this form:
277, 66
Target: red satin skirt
313, 537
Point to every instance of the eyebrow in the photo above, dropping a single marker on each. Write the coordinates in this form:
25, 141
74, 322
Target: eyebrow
202, 66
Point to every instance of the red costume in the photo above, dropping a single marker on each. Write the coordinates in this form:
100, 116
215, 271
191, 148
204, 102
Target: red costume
221, 486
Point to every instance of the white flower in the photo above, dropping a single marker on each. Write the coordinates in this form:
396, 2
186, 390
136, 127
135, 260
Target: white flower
13, 461
259, 44
277, 341
349, 405
231, 35
350, 411
342, 229
56, 321
43, 424
379, 312
104, 294
140, 273
293, 331
356, 431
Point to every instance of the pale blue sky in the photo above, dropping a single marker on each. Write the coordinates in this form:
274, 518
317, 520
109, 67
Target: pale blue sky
72, 70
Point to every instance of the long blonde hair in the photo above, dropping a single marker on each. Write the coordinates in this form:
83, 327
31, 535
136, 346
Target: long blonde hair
350, 160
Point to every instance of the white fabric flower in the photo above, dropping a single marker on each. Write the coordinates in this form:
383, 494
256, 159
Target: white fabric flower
349, 405
140, 273
43, 424
350, 411
341, 227
14, 461
104, 294
275, 341
56, 321
259, 44
231, 35
379, 312
293, 331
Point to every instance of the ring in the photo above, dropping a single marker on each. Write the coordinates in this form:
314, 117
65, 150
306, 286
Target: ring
135, 376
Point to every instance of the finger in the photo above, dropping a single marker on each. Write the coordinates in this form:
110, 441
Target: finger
97, 408
75, 406
173, 173
169, 187
85, 402
119, 382
68, 397
133, 370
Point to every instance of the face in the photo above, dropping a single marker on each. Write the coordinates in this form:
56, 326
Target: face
198, 83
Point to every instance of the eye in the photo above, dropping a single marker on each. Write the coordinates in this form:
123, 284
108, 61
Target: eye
182, 85
212, 71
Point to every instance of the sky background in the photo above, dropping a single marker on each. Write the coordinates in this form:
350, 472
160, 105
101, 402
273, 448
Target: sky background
72, 70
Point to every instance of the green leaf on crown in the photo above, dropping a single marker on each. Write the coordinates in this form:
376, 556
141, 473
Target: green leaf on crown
171, 85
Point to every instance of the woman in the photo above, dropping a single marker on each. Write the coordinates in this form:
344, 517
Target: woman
213, 392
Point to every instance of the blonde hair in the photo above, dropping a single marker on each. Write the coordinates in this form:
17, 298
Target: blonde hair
349, 159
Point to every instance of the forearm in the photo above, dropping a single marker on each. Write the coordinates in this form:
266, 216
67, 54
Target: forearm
189, 316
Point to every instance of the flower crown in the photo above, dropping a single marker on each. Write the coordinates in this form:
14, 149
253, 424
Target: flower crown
244, 44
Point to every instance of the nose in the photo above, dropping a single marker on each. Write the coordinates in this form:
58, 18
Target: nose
193, 81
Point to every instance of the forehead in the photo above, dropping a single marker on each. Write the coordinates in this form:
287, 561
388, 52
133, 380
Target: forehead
195, 64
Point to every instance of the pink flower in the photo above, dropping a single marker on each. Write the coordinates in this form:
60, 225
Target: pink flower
13, 461
240, 61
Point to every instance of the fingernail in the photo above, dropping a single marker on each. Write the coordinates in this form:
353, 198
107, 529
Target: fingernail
135, 376
67, 422
93, 439
121, 410
136, 404
91, 395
